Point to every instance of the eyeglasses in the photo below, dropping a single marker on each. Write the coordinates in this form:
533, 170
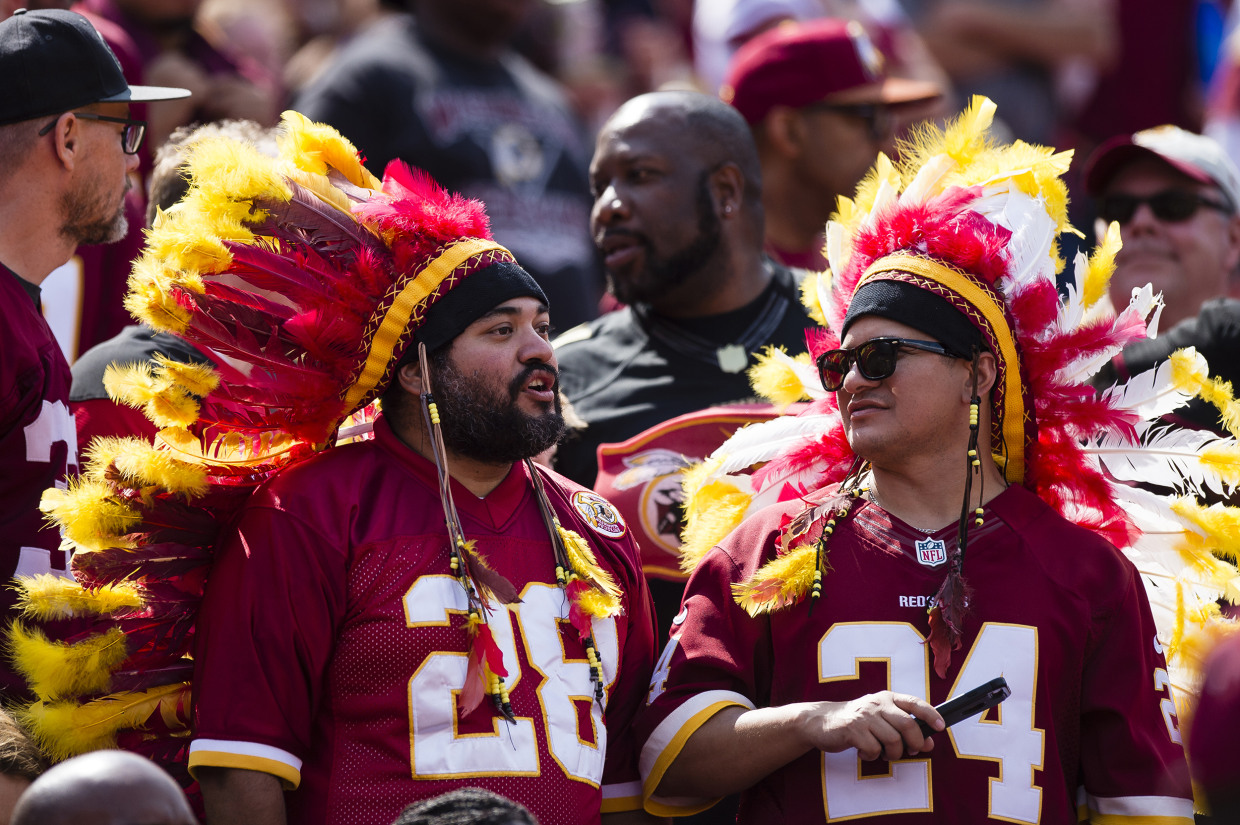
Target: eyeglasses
879, 123
1171, 205
876, 359
131, 135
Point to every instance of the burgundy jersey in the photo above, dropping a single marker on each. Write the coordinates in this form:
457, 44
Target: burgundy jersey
332, 646
1212, 745
38, 442
1089, 729
642, 477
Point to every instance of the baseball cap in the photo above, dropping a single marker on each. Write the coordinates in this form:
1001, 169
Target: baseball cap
796, 64
1197, 156
53, 60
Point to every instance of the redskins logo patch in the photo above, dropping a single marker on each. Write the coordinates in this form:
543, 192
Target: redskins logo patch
599, 514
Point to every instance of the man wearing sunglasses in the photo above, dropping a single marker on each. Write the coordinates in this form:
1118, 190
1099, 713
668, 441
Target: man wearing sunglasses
1174, 195
820, 107
67, 145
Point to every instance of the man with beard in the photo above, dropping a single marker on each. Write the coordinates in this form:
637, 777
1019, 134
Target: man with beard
678, 218
328, 660
67, 148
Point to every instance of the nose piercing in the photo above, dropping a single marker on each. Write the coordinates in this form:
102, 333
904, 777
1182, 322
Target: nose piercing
615, 203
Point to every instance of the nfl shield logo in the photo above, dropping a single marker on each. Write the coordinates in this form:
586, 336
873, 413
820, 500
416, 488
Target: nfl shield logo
931, 552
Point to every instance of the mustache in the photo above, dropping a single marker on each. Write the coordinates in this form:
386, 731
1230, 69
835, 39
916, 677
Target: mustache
602, 237
530, 370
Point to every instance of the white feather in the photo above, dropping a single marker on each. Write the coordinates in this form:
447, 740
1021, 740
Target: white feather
760, 442
1162, 456
1151, 394
927, 181
837, 252
1072, 308
1033, 232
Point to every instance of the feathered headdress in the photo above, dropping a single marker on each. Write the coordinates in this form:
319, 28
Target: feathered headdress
306, 280
977, 224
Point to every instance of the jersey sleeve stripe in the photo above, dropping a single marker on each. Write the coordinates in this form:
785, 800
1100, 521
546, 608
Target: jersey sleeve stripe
669, 738
1146, 810
621, 797
220, 753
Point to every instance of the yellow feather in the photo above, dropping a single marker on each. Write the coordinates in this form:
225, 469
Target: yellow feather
146, 465
775, 381
809, 297
1224, 460
198, 379
66, 729
599, 605
1102, 267
54, 669
712, 511
781, 582
316, 147
581, 558
88, 515
130, 384
46, 598
172, 408
229, 170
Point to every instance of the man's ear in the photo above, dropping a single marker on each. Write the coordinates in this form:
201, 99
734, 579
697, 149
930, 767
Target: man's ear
987, 375
67, 140
727, 188
784, 132
410, 377
1232, 260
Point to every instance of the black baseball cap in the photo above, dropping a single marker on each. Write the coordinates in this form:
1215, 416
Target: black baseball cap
52, 61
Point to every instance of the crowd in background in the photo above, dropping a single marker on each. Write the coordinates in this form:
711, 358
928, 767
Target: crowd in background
542, 78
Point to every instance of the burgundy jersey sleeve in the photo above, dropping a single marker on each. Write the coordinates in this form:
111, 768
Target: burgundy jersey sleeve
265, 636
718, 656
1212, 745
1132, 758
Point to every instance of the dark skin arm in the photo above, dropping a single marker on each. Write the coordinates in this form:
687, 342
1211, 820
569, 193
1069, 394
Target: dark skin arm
233, 796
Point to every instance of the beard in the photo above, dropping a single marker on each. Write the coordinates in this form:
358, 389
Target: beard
662, 275
88, 218
483, 422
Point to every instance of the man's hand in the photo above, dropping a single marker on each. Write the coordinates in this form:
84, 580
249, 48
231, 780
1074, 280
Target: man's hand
877, 725
759, 742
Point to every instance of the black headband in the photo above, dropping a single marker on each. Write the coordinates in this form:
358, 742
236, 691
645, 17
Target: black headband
476, 294
924, 311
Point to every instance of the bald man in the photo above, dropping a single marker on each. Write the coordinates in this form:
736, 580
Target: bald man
104, 788
678, 219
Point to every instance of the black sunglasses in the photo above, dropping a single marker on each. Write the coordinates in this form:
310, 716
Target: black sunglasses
879, 123
876, 359
1171, 205
131, 135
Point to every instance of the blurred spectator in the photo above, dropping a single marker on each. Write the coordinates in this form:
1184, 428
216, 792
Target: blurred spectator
20, 764
1012, 50
720, 27
1212, 738
467, 806
67, 146
821, 109
1174, 195
678, 217
446, 93
173, 47
104, 788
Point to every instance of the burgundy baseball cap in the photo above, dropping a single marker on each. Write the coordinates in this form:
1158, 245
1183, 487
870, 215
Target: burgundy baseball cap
52, 61
825, 60
1196, 156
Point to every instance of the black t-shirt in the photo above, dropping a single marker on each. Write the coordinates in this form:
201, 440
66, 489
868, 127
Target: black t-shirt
493, 129
629, 370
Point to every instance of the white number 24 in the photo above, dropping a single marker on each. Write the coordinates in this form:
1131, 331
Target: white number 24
1012, 740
